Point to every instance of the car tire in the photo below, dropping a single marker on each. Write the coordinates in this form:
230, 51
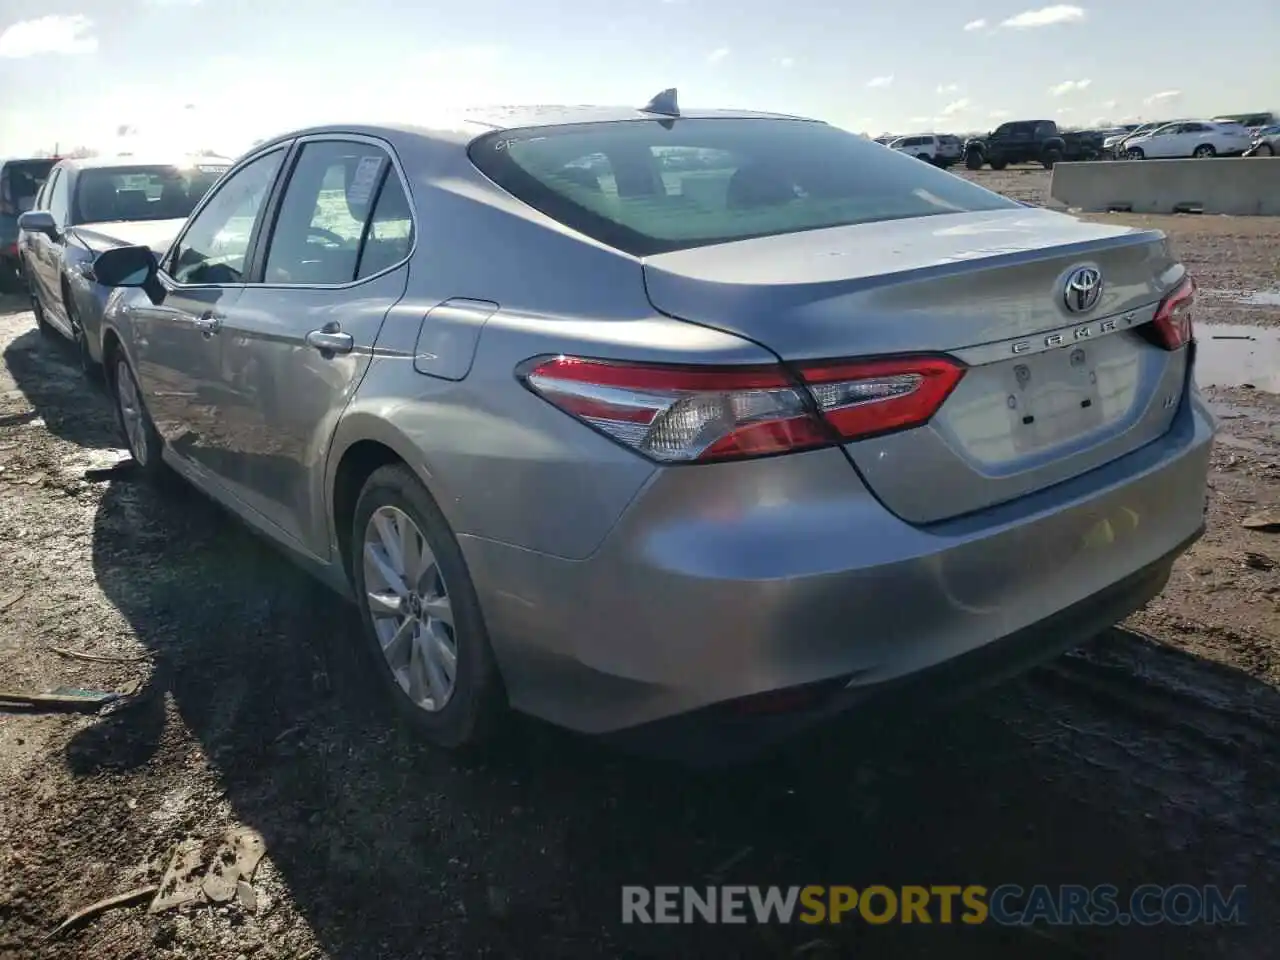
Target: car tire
436, 623
139, 432
10, 277
1204, 152
998, 164
1135, 153
973, 160
1050, 158
42, 322
925, 157
1264, 150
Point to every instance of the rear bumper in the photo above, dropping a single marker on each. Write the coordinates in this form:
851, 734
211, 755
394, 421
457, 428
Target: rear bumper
722, 733
729, 581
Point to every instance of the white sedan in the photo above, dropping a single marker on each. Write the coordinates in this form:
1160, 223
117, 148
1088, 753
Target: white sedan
1190, 138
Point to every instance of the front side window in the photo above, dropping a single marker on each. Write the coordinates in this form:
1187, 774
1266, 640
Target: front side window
689, 183
58, 206
132, 193
215, 244
327, 217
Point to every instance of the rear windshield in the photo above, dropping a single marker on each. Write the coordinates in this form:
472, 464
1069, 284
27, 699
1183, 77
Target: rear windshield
21, 180
652, 186
104, 194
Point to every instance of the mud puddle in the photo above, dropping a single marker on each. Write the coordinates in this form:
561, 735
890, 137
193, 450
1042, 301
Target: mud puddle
1251, 298
1238, 355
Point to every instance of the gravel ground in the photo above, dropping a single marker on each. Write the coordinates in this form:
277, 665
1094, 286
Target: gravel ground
1150, 756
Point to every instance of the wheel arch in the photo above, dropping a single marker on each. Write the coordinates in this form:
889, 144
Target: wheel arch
362, 444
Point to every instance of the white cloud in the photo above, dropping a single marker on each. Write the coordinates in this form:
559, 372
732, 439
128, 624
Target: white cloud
1063, 111
884, 81
975, 25
956, 106
948, 88
1069, 86
1109, 104
922, 119
1045, 17
786, 63
998, 114
717, 55
59, 34
1164, 96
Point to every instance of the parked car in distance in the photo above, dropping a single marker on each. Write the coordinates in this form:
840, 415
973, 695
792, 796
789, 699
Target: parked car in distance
1027, 141
87, 206
1251, 121
1114, 145
688, 459
20, 181
1265, 143
941, 151
1202, 139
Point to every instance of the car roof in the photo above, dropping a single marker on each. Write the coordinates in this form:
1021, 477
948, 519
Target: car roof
464, 126
142, 160
5, 161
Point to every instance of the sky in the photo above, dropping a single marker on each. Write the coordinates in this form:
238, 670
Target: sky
220, 74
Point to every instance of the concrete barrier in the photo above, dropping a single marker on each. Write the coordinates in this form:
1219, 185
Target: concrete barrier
1248, 187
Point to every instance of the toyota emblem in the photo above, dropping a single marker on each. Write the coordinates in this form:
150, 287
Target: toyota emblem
1083, 289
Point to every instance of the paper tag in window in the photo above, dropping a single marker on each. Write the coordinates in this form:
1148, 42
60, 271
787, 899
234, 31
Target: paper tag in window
365, 180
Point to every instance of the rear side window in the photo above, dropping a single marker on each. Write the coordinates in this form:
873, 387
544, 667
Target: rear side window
648, 186
344, 216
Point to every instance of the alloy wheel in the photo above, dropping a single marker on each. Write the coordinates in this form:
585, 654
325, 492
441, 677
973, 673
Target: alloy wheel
132, 414
410, 607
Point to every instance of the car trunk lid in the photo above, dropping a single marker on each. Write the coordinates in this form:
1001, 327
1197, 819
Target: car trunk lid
1048, 394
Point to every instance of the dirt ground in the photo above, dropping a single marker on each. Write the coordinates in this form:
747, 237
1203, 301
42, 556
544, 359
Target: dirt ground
1153, 755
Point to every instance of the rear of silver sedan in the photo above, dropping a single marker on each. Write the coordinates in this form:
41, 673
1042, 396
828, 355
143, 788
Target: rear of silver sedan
976, 441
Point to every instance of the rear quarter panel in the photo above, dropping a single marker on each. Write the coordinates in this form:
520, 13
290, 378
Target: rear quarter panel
502, 463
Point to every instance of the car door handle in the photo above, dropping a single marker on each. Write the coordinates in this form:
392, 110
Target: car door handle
330, 339
208, 322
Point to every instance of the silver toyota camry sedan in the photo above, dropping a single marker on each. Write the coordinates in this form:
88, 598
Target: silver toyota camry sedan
687, 428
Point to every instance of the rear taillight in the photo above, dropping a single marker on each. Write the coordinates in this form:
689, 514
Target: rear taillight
683, 414
1171, 327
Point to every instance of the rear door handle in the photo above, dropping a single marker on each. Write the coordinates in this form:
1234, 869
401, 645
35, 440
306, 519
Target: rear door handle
330, 339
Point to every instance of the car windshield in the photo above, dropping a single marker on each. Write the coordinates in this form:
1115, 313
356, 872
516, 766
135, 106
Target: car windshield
654, 186
152, 192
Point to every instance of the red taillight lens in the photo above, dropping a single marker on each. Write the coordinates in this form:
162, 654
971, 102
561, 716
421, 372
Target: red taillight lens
701, 414
1172, 322
877, 396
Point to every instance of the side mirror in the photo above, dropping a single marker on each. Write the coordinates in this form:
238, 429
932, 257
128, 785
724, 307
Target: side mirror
125, 267
130, 267
38, 221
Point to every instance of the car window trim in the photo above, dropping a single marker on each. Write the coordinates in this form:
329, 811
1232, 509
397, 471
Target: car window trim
63, 178
259, 265
46, 192
171, 283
